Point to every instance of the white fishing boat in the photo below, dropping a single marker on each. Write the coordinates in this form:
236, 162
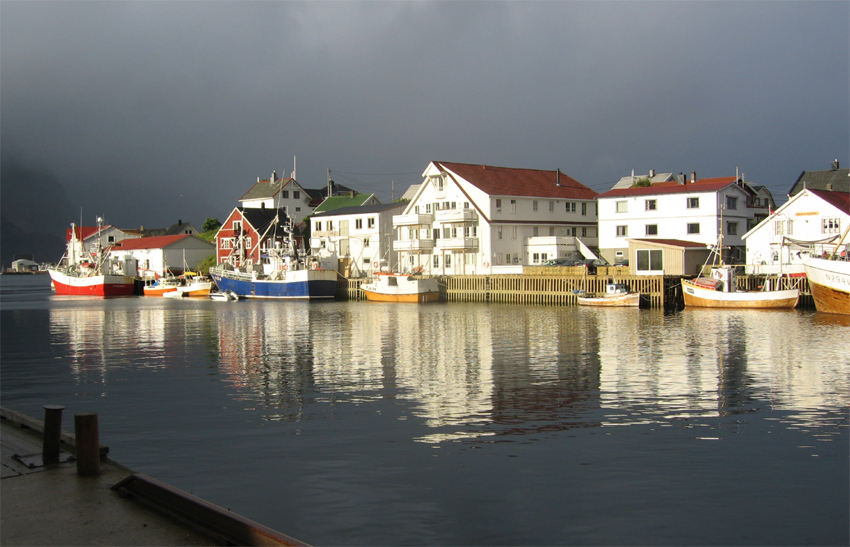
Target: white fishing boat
196, 285
90, 273
226, 296
617, 295
721, 291
401, 287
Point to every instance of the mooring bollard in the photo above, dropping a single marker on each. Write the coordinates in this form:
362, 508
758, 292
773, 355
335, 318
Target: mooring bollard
88, 443
52, 433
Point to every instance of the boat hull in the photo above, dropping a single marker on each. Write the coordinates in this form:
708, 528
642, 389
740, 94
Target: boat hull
298, 285
829, 281
373, 296
700, 297
94, 285
629, 300
198, 288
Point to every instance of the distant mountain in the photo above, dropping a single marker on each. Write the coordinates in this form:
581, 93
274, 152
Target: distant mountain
34, 212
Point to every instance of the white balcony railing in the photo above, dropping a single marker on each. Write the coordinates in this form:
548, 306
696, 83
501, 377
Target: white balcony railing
456, 215
465, 243
413, 244
414, 219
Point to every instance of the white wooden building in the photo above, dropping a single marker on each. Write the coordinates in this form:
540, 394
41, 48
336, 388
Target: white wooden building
469, 219
155, 256
811, 222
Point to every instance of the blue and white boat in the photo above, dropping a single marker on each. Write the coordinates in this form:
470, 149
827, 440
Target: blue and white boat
283, 274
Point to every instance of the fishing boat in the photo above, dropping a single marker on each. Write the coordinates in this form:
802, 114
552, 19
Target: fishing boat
829, 279
401, 287
161, 286
617, 295
226, 296
721, 291
196, 285
90, 273
283, 274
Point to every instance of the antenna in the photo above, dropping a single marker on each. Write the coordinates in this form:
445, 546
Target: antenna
293, 167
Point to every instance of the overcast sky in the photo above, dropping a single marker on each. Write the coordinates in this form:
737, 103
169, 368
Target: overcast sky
149, 112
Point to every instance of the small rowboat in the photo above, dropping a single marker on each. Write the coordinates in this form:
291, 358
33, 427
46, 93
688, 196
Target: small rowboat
617, 295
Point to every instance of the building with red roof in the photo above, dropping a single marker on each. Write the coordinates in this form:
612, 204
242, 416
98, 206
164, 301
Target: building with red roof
474, 219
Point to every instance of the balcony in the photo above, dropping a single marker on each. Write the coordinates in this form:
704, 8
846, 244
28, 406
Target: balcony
413, 244
458, 243
456, 215
413, 220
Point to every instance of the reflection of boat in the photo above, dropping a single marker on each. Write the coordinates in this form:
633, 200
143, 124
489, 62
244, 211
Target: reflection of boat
161, 286
174, 294
829, 281
616, 295
196, 286
720, 291
401, 287
226, 296
89, 274
282, 275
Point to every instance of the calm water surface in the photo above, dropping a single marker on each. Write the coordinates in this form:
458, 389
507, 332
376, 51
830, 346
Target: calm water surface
352, 423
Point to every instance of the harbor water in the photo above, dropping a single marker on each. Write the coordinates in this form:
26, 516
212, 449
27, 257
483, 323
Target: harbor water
356, 423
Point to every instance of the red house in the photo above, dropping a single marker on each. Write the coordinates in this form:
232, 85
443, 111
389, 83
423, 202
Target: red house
248, 232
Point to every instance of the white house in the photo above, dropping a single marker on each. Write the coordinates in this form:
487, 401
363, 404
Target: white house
472, 219
355, 240
695, 210
277, 193
160, 254
811, 222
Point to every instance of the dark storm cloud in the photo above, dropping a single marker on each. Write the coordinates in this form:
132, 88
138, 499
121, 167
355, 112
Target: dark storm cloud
149, 112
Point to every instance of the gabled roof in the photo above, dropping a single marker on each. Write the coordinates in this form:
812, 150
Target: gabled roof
835, 180
81, 232
338, 202
700, 186
840, 200
178, 227
628, 182
510, 181
265, 189
362, 209
155, 242
260, 219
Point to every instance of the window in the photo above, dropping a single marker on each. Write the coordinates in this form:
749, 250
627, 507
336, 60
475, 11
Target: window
297, 209
226, 243
370, 223
498, 206
416, 209
110, 240
366, 241
318, 227
427, 208
693, 203
652, 229
330, 225
513, 206
535, 258
571, 207
584, 231
513, 232
436, 261
572, 231
693, 228
622, 207
470, 231
651, 204
551, 230
783, 227
534, 205
731, 202
448, 261
650, 260
237, 226
296, 194
535, 231
732, 228
551, 206
358, 224
499, 231
831, 226
584, 209
285, 194
622, 231
466, 205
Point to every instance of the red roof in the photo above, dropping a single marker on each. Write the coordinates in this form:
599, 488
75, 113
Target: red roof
702, 185
82, 232
841, 200
156, 242
509, 181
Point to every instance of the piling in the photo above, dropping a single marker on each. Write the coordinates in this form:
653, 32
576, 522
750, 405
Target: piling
52, 433
88, 443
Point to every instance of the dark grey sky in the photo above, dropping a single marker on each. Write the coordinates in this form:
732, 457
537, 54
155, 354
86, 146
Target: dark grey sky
152, 111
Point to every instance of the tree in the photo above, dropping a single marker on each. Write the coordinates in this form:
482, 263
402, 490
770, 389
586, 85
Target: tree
211, 224
642, 183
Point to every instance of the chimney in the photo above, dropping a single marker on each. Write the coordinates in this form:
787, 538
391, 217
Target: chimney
693, 177
179, 222
651, 173
274, 176
681, 178
835, 165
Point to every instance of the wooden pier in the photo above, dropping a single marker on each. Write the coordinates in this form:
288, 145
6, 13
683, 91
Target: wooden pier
657, 292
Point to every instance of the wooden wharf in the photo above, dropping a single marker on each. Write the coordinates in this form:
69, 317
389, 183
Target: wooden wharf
541, 287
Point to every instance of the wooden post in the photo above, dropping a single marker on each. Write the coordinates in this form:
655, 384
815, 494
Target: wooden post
88, 443
52, 433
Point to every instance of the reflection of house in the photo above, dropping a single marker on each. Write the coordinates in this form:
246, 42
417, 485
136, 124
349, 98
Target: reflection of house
356, 240
472, 219
810, 222
160, 254
693, 210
